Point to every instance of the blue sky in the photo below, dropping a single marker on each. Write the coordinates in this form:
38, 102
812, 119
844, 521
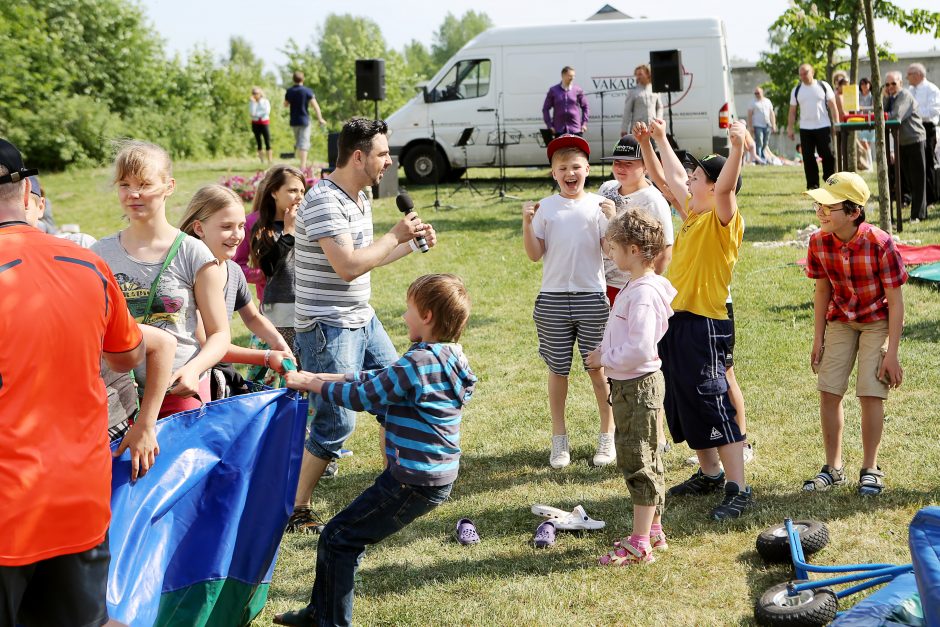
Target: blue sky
267, 25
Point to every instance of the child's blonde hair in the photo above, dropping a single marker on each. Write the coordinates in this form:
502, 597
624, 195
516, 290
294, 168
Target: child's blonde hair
446, 297
135, 158
204, 203
565, 152
635, 227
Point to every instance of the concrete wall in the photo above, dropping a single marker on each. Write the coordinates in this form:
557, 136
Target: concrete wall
747, 77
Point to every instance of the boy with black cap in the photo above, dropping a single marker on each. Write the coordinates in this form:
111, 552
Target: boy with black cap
565, 231
858, 309
695, 348
630, 189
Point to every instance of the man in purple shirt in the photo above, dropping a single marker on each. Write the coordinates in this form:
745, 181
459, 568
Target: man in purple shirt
568, 106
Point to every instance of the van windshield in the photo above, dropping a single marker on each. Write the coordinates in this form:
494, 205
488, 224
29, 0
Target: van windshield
466, 79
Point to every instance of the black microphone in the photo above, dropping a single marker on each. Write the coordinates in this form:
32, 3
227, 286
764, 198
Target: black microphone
406, 205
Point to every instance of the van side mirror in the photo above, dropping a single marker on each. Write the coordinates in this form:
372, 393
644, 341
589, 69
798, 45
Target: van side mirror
427, 95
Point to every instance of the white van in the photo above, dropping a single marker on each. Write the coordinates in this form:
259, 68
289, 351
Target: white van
505, 73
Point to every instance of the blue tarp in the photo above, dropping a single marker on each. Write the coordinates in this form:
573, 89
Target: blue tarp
195, 540
925, 554
913, 598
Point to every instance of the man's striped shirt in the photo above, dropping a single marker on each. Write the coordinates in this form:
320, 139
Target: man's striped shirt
321, 295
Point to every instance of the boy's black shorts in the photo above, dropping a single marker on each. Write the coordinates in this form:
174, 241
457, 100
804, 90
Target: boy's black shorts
729, 357
62, 590
698, 409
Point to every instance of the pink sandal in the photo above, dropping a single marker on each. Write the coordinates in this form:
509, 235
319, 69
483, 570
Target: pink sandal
626, 555
657, 542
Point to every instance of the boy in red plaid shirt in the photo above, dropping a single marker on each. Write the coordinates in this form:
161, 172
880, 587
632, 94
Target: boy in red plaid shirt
858, 310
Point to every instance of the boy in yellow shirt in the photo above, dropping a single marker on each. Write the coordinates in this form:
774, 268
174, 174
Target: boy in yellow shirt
696, 346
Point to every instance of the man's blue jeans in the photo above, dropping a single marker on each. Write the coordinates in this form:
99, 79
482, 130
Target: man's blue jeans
326, 348
382, 510
761, 137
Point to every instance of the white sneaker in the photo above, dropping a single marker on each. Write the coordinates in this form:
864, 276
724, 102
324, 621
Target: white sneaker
560, 455
606, 453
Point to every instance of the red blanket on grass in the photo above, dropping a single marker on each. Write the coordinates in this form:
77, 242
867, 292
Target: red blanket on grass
911, 255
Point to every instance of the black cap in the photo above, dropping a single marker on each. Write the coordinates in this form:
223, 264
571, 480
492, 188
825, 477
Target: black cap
12, 160
712, 165
627, 149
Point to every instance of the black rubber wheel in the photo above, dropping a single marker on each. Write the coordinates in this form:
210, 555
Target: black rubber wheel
774, 546
810, 608
423, 164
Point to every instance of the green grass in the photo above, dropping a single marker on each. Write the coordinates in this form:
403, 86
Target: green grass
712, 574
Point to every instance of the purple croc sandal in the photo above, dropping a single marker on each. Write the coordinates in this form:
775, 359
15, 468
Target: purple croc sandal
466, 532
544, 535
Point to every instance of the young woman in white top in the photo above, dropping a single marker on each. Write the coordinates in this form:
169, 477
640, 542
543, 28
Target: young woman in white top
260, 109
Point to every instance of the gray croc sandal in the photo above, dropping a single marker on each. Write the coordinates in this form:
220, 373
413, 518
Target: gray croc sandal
827, 478
544, 535
871, 481
466, 532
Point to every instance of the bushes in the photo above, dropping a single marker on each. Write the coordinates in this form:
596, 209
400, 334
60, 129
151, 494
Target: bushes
93, 70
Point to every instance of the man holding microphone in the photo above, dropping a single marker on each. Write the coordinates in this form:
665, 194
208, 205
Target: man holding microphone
337, 329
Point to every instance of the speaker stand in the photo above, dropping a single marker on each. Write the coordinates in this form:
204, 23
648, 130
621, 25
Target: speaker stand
669, 100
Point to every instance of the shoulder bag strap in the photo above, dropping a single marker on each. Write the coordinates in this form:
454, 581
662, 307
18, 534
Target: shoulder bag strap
156, 281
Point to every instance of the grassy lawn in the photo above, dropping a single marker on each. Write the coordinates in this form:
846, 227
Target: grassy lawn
712, 574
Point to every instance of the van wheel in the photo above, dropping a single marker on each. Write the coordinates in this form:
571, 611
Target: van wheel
423, 165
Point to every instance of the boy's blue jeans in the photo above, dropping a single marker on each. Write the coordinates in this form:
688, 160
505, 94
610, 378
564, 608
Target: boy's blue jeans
325, 348
383, 509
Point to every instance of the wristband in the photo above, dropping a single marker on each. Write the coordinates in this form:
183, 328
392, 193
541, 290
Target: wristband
413, 244
267, 358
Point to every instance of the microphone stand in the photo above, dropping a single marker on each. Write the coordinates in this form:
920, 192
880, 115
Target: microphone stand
501, 155
437, 172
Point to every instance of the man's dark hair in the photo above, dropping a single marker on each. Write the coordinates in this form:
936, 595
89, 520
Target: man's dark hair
357, 134
849, 207
567, 68
298, 77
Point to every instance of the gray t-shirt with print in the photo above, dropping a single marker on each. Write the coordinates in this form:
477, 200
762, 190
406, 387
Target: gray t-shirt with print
174, 306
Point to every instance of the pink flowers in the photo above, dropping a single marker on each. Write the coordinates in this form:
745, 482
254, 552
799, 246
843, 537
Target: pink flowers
244, 187
247, 187
309, 177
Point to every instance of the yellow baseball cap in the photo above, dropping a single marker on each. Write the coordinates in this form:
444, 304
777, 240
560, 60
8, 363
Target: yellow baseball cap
841, 186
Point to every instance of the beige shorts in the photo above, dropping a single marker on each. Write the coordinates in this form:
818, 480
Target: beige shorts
845, 340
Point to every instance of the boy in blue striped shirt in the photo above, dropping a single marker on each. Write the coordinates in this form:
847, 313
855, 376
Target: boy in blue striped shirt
420, 399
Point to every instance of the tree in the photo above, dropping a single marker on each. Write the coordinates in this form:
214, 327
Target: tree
418, 61
881, 167
454, 33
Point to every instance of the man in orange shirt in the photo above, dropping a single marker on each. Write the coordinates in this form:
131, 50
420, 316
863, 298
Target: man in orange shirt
61, 311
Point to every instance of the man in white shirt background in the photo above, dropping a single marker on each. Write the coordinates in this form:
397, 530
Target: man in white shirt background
927, 96
762, 120
817, 103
